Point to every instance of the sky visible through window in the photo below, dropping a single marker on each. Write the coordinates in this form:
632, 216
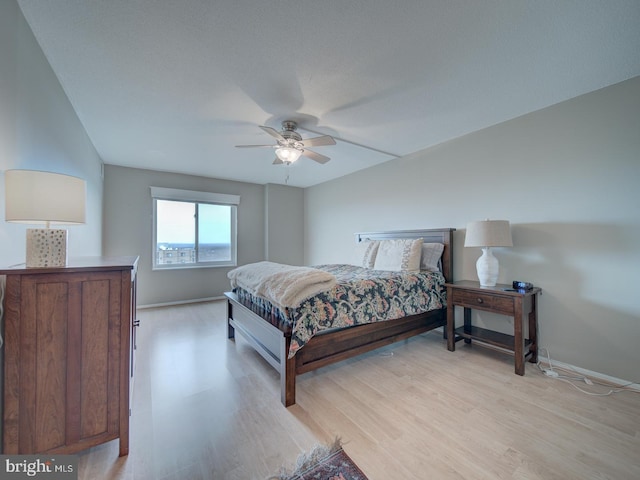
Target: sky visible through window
176, 223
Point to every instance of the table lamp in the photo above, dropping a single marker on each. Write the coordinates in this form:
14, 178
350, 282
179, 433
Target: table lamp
35, 197
487, 234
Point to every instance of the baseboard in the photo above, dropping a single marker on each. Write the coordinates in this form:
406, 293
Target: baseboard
180, 302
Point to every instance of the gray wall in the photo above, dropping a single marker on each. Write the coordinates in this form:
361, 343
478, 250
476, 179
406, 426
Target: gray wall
283, 224
566, 177
128, 226
39, 130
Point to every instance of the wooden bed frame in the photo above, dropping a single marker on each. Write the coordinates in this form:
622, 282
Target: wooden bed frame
272, 340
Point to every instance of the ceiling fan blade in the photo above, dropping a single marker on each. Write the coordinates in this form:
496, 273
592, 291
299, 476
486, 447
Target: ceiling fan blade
254, 146
318, 141
273, 132
277, 161
315, 156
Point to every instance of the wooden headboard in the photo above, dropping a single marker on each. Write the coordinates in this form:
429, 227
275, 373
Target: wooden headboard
436, 235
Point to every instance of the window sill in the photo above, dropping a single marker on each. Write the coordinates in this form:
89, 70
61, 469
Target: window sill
190, 267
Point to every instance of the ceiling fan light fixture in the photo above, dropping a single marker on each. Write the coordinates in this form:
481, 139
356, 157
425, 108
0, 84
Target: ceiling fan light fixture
288, 154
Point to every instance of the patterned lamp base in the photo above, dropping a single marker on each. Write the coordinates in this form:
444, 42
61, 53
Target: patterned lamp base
46, 247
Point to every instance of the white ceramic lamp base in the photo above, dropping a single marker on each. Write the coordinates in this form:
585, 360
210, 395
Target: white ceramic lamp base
487, 268
46, 247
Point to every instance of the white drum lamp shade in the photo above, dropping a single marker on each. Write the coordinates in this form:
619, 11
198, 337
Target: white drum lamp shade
35, 197
486, 234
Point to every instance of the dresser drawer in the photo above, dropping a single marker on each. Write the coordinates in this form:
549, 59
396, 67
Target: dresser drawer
482, 301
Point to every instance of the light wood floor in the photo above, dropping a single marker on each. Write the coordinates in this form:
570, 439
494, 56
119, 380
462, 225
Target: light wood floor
205, 407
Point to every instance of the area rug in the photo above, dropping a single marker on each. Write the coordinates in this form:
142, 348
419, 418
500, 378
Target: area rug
324, 462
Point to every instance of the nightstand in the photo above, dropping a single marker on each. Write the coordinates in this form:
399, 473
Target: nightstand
520, 305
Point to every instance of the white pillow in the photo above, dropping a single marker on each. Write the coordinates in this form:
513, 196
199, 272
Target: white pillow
400, 255
431, 253
366, 253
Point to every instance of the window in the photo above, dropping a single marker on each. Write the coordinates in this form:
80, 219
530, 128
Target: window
193, 229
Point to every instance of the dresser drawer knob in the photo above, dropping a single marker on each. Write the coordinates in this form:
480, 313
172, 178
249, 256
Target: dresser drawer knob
480, 300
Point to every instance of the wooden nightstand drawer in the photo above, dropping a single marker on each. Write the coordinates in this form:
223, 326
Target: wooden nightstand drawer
484, 301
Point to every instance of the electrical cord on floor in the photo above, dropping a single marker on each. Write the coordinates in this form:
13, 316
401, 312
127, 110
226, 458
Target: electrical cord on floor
553, 373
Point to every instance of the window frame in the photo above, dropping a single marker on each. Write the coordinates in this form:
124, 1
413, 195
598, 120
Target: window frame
197, 198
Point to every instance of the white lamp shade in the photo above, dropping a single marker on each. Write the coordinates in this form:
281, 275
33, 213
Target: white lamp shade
488, 233
42, 197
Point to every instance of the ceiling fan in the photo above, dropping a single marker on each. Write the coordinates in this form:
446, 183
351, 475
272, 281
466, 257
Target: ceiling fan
290, 145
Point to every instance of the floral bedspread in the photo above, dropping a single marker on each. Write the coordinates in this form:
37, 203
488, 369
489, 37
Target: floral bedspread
361, 296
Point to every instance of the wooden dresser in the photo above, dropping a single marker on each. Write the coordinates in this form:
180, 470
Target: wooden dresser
68, 355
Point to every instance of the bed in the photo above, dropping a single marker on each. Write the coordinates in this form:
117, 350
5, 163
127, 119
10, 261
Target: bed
264, 328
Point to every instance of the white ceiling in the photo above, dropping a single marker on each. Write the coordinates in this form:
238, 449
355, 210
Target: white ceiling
174, 85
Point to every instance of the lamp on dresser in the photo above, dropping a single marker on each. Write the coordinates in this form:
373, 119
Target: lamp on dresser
487, 234
35, 197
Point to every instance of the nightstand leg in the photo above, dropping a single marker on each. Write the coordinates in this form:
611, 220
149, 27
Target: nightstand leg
451, 336
467, 323
518, 340
533, 330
